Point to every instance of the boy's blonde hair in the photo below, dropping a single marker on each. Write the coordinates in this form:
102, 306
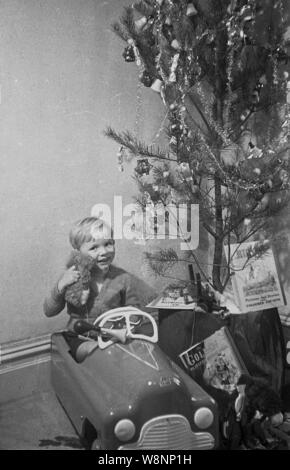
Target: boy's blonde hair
88, 229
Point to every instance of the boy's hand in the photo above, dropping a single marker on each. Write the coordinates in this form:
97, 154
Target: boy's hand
70, 276
85, 296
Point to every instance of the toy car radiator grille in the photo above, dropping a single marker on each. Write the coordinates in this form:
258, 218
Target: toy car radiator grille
171, 432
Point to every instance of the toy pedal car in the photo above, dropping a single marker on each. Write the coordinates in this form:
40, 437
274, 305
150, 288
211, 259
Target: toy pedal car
125, 393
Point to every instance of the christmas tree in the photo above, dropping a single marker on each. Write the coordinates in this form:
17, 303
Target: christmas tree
221, 69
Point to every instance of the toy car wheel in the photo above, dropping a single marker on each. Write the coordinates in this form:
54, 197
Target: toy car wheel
96, 445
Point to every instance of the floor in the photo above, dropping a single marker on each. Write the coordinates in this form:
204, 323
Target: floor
36, 422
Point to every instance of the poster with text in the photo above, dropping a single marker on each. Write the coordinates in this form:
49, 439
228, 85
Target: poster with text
256, 282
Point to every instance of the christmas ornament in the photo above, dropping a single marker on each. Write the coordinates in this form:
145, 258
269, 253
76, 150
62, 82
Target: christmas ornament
167, 31
146, 79
246, 13
185, 170
229, 155
270, 184
191, 10
283, 175
128, 54
256, 93
264, 202
184, 132
147, 197
176, 130
120, 156
139, 24
173, 106
255, 152
143, 167
132, 44
173, 141
286, 123
231, 6
157, 85
176, 44
281, 55
245, 114
255, 96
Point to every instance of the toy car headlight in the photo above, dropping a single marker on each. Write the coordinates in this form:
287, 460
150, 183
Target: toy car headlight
124, 430
203, 418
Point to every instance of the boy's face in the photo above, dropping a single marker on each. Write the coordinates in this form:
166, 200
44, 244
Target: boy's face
102, 250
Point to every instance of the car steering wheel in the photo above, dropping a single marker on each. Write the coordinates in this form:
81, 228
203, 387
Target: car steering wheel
125, 314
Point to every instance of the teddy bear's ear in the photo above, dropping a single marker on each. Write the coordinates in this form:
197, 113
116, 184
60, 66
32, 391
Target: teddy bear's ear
73, 258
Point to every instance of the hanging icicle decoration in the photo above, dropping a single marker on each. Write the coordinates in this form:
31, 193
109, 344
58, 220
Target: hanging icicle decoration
161, 129
160, 70
120, 157
232, 28
275, 69
232, 6
172, 76
229, 89
285, 137
138, 109
160, 39
211, 154
205, 100
132, 43
185, 171
158, 25
164, 80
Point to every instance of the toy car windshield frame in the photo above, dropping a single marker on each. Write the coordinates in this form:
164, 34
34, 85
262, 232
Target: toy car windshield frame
128, 315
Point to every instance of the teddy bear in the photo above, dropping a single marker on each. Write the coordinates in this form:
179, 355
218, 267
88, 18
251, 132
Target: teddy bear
77, 294
258, 408
250, 416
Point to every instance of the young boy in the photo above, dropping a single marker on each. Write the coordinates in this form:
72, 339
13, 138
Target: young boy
110, 286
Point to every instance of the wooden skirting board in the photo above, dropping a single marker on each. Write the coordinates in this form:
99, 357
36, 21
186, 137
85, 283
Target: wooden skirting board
24, 368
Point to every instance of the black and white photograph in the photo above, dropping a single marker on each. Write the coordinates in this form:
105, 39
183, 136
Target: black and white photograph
145, 186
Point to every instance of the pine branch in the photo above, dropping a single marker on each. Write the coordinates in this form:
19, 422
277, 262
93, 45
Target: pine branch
161, 261
120, 31
201, 113
150, 3
143, 8
127, 20
137, 148
252, 232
